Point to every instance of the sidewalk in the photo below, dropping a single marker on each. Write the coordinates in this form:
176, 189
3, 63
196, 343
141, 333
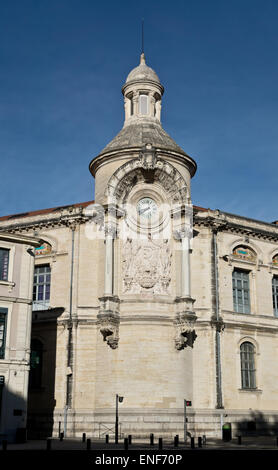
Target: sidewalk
247, 443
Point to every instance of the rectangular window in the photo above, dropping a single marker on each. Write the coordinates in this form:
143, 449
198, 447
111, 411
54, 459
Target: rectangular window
275, 295
143, 104
3, 326
241, 291
4, 264
41, 288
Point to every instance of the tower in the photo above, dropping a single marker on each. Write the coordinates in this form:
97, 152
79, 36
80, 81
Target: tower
145, 321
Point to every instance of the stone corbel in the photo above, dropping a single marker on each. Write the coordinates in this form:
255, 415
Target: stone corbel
185, 323
218, 323
108, 320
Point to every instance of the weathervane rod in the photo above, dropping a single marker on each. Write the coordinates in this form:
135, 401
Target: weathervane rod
142, 35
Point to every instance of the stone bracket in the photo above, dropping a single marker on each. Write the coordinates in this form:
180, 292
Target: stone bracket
108, 319
184, 323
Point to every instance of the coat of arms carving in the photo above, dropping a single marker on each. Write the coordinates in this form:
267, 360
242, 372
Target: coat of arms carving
146, 266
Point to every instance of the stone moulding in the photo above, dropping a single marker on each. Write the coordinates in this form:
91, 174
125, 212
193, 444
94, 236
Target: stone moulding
184, 323
108, 320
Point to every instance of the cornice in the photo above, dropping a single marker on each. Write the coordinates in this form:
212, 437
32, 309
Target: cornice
70, 220
134, 152
221, 224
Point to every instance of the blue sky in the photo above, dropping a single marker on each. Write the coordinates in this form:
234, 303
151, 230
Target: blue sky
62, 66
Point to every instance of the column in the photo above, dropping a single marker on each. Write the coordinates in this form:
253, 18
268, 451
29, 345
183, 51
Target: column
109, 263
185, 265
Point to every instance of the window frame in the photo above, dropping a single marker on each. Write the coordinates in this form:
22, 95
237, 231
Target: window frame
246, 306
275, 294
248, 370
41, 304
143, 103
2, 265
3, 321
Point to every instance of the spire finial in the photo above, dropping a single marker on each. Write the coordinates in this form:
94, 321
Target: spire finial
142, 50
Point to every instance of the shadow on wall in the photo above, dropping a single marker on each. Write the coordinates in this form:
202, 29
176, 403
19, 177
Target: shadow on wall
41, 394
12, 416
258, 425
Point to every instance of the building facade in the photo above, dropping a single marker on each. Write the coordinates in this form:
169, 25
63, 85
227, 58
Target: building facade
16, 288
143, 295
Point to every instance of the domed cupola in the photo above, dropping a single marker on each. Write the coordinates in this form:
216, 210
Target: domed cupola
142, 94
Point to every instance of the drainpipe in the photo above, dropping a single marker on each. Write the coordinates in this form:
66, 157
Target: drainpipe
70, 342
218, 324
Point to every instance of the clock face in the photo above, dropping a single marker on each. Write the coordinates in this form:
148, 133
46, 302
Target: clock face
146, 208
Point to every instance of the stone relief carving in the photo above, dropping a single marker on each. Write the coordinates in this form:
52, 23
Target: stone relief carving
146, 266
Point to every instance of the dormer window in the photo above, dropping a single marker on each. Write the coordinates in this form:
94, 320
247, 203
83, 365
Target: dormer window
143, 104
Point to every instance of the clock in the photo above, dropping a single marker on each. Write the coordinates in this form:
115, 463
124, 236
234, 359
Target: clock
146, 208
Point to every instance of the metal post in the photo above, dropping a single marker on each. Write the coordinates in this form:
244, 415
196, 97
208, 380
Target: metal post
192, 443
160, 443
88, 444
129, 439
84, 437
126, 443
151, 439
199, 442
117, 420
61, 436
176, 441
239, 440
107, 438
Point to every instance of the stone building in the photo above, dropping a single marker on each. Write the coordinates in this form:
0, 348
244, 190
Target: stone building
143, 295
16, 289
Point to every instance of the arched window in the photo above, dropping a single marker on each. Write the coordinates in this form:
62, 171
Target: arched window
35, 379
247, 363
143, 104
275, 260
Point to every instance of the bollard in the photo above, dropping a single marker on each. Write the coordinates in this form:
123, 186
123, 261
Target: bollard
126, 443
84, 437
151, 439
107, 438
176, 440
192, 443
88, 444
61, 436
4, 444
239, 440
199, 442
48, 443
129, 439
160, 443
